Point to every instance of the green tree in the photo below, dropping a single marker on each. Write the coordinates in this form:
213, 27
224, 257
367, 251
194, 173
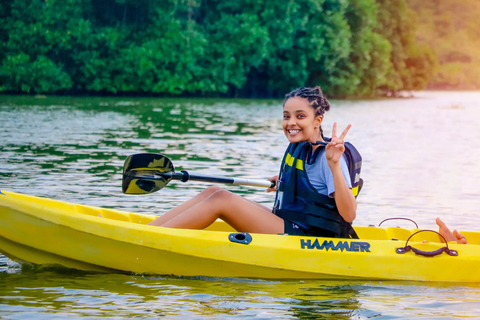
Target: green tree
412, 64
452, 30
29, 63
247, 48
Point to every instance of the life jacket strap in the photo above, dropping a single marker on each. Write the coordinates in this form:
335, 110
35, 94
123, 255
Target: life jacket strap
318, 198
322, 219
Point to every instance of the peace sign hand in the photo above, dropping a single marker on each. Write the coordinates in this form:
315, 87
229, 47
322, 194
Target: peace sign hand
336, 147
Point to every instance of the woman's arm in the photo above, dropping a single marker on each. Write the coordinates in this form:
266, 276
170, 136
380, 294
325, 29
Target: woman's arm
344, 199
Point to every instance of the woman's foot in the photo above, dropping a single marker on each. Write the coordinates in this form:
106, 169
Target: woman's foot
448, 235
460, 237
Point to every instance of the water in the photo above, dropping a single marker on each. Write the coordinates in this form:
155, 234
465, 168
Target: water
420, 161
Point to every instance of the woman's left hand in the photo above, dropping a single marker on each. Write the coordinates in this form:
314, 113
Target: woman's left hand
336, 147
274, 188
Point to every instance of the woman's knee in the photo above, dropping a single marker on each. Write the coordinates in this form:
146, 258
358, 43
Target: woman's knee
211, 190
222, 199
222, 193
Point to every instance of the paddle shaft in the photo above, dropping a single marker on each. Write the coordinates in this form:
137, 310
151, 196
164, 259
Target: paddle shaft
185, 176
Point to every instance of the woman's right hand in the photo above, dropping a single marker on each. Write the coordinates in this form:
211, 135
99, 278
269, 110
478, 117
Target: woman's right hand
336, 147
274, 188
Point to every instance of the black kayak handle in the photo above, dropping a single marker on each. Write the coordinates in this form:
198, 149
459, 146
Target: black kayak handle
446, 249
416, 225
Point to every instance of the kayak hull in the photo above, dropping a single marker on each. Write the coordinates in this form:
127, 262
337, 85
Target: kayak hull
49, 232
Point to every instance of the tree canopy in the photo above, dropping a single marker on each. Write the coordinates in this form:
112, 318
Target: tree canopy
241, 48
452, 29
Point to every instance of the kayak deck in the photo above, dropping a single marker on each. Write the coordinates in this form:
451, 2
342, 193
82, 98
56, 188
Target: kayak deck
50, 232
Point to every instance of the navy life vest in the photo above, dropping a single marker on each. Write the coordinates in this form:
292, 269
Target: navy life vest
299, 202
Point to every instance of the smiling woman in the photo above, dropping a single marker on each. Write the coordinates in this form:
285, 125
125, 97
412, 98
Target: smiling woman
313, 196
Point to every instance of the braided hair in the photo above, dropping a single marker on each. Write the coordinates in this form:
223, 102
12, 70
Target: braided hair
315, 98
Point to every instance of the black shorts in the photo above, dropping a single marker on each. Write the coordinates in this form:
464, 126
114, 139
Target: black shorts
293, 229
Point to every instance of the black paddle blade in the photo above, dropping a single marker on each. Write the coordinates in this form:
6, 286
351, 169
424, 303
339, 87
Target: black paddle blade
147, 165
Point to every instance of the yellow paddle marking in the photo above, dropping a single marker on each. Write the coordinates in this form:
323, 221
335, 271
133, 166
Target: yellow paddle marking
157, 163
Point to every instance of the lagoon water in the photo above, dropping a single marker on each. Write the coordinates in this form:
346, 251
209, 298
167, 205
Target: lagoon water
421, 160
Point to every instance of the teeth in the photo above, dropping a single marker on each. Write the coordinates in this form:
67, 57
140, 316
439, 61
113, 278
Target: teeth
293, 131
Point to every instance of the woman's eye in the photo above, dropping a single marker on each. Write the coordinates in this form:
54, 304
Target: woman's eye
285, 117
301, 116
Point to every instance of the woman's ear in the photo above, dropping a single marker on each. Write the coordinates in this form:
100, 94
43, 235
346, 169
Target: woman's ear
318, 121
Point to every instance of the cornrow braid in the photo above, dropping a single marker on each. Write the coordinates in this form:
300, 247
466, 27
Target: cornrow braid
315, 97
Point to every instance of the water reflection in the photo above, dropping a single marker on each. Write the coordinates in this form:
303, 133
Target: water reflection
79, 294
58, 293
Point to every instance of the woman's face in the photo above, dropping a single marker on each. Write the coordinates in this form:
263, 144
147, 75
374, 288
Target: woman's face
299, 121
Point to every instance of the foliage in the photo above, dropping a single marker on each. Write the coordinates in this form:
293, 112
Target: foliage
250, 48
452, 29
412, 64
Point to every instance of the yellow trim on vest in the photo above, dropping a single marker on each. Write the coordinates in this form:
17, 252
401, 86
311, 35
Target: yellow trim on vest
289, 161
355, 191
299, 165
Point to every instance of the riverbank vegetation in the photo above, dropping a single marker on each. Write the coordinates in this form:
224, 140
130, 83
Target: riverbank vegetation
452, 29
241, 48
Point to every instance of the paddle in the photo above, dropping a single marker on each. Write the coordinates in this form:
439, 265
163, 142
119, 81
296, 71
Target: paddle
149, 172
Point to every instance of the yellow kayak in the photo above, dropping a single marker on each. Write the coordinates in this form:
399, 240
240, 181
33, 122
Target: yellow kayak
50, 232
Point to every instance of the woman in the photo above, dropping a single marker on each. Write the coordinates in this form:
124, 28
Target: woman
303, 111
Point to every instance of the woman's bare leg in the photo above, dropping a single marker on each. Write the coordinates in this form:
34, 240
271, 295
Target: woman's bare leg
444, 231
184, 206
455, 236
243, 215
190, 203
